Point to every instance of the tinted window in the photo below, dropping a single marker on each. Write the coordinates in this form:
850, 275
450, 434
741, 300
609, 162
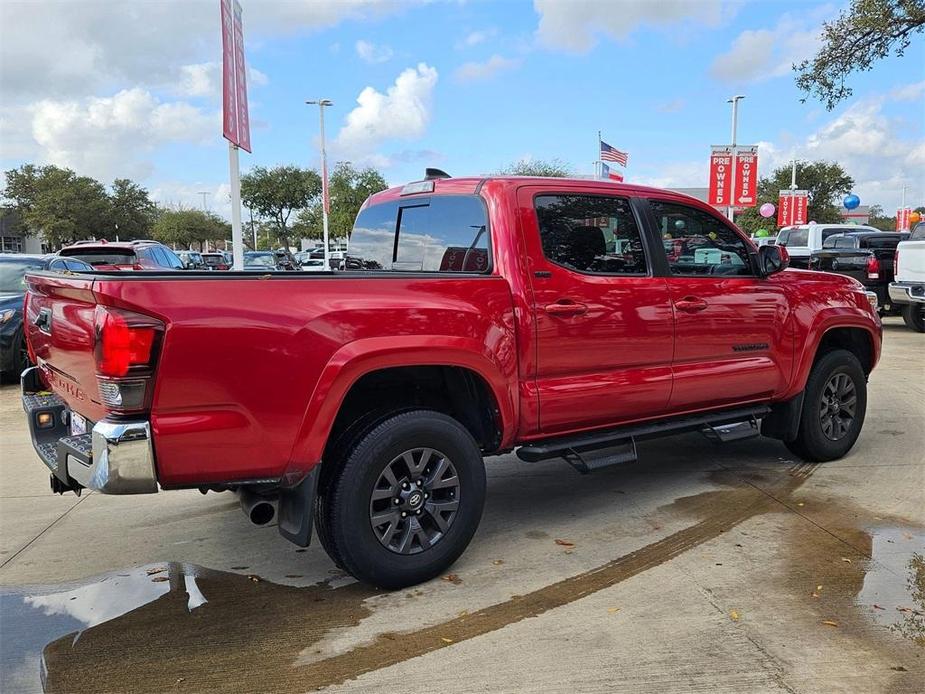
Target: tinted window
826, 233
439, 234
841, 241
172, 260
918, 234
590, 233
698, 243
793, 237
885, 241
100, 256
830, 242
13, 271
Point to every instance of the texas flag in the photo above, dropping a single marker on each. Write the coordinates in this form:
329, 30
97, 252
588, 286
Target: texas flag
610, 175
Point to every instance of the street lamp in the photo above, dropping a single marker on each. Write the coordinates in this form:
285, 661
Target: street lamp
730, 213
324, 179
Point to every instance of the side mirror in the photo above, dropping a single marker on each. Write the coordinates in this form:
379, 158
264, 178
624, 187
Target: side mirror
772, 259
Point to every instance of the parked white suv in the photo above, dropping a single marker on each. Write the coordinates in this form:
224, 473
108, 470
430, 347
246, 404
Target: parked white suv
908, 288
801, 240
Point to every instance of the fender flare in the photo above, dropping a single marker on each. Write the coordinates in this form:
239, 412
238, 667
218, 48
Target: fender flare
361, 357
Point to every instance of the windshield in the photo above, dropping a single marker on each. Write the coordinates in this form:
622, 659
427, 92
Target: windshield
101, 256
12, 272
793, 237
918, 234
214, 259
261, 259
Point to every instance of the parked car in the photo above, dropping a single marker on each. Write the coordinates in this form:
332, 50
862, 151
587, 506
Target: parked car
867, 256
124, 255
309, 264
14, 356
285, 260
261, 260
216, 260
908, 291
800, 241
492, 317
192, 260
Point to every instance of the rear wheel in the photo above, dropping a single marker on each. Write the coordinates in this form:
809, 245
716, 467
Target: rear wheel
914, 316
834, 405
405, 502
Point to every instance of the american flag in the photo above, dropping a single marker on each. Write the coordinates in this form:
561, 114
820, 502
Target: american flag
609, 153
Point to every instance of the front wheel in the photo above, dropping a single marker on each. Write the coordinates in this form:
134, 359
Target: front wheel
834, 405
406, 501
914, 317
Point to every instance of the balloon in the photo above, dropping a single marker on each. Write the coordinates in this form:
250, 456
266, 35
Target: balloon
766, 210
762, 233
812, 222
851, 201
915, 218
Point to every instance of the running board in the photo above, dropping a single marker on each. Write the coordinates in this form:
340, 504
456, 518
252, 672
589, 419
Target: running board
735, 431
587, 461
583, 444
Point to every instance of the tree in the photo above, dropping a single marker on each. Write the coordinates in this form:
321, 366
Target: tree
348, 188
274, 194
132, 212
866, 32
878, 220
826, 182
186, 227
554, 168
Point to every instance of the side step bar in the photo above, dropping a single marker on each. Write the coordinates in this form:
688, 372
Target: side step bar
587, 452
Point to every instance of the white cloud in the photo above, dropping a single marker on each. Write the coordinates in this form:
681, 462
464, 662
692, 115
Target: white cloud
575, 26
469, 72
474, 38
371, 53
758, 54
402, 112
108, 137
909, 92
205, 80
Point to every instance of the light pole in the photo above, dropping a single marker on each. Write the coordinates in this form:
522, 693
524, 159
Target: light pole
730, 213
324, 180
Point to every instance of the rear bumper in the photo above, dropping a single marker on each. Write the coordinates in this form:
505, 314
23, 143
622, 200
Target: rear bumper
907, 293
112, 458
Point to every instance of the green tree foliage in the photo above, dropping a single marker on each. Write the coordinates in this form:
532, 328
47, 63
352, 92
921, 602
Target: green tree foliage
183, 228
827, 183
275, 194
348, 189
553, 168
867, 31
879, 220
132, 212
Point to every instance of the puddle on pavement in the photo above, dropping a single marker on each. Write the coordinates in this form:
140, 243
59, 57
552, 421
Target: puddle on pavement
893, 591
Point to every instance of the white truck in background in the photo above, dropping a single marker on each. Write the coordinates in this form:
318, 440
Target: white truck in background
802, 239
908, 287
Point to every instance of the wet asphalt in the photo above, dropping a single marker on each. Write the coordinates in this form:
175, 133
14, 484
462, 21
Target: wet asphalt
699, 568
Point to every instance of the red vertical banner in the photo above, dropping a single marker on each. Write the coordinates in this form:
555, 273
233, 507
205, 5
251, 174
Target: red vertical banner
746, 179
800, 206
229, 109
240, 76
902, 218
785, 208
720, 177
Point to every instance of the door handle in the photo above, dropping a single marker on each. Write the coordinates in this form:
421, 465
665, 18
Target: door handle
566, 308
690, 304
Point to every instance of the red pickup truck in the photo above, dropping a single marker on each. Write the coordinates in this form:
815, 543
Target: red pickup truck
475, 316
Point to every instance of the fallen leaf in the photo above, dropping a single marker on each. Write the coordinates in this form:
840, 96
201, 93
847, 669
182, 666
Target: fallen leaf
156, 570
904, 609
898, 668
565, 543
613, 610
498, 562
160, 579
829, 623
814, 594
818, 587
180, 679
734, 616
452, 578
877, 607
846, 560
446, 640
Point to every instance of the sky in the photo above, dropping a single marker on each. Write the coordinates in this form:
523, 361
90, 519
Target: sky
132, 89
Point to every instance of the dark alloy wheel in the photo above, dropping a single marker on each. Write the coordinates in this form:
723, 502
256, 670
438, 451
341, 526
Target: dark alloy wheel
837, 406
415, 501
834, 405
403, 498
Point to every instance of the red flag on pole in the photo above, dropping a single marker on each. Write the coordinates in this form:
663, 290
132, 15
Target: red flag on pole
235, 121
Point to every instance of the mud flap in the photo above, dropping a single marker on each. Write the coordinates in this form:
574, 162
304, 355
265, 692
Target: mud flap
296, 509
784, 420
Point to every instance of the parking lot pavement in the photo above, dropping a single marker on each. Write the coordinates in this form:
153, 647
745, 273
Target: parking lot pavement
702, 567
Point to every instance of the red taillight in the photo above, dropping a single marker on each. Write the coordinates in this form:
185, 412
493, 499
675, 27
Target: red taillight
123, 340
873, 268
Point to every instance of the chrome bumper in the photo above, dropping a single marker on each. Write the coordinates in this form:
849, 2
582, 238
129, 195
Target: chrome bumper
112, 458
903, 293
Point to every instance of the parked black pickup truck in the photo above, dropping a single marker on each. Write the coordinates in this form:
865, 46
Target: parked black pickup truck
867, 256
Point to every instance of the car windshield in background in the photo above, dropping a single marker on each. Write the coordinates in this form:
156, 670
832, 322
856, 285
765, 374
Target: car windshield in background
101, 256
918, 234
213, 259
13, 271
260, 259
794, 237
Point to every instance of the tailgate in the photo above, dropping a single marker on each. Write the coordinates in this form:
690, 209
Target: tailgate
59, 324
911, 262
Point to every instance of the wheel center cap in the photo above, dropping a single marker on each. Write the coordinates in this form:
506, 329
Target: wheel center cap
415, 500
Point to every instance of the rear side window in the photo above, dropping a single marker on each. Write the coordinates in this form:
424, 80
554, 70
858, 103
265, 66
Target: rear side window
793, 237
841, 241
447, 233
101, 256
918, 234
595, 234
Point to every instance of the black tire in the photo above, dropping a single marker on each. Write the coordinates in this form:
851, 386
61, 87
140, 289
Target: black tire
818, 439
914, 317
19, 361
344, 510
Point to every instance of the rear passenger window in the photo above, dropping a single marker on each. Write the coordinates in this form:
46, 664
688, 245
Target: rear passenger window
698, 243
438, 234
594, 234
843, 242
